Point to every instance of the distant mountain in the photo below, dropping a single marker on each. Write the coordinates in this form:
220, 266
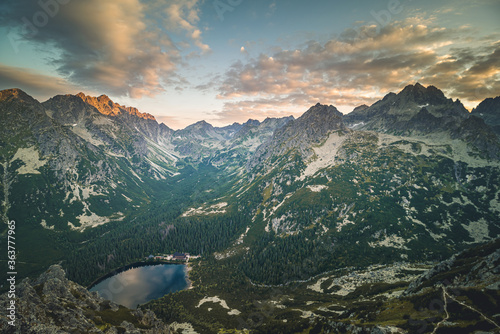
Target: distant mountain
297, 136
198, 140
384, 188
254, 133
421, 111
97, 159
489, 111
416, 109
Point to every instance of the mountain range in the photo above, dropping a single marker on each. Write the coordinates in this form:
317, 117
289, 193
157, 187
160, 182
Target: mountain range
93, 184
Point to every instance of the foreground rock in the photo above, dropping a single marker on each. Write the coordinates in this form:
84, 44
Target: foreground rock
54, 304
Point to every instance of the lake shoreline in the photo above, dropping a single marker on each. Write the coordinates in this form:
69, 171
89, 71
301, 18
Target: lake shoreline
188, 280
141, 282
131, 266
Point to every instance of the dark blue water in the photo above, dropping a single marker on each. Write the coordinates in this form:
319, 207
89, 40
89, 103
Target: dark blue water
140, 285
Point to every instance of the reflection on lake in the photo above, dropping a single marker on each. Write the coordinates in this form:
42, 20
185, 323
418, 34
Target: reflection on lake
140, 285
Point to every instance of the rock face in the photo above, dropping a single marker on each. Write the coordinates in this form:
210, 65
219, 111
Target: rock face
313, 126
53, 304
299, 135
476, 267
489, 111
107, 107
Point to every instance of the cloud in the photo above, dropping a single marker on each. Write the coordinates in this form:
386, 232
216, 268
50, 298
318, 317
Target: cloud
471, 74
39, 85
271, 9
184, 15
360, 67
121, 47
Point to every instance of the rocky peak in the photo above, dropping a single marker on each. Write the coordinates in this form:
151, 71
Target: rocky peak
360, 108
421, 95
281, 121
298, 135
16, 94
19, 110
107, 107
101, 103
320, 111
200, 125
488, 106
229, 131
54, 272
252, 122
416, 110
316, 122
489, 111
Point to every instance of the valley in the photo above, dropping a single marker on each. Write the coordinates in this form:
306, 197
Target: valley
327, 222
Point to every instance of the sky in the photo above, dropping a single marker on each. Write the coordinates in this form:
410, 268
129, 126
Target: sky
226, 61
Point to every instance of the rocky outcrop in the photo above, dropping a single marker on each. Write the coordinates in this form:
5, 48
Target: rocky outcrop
479, 136
53, 304
475, 267
107, 107
131, 117
489, 111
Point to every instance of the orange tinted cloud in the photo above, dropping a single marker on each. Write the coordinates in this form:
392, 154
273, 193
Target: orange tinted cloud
360, 67
120, 47
40, 85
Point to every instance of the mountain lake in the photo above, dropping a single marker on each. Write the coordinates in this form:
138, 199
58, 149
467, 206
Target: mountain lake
141, 284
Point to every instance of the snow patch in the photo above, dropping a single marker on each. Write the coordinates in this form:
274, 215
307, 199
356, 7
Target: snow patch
273, 209
211, 210
240, 239
81, 131
478, 231
81, 193
495, 203
305, 314
90, 219
45, 226
325, 155
393, 241
221, 302
127, 198
185, 328
317, 188
31, 159
344, 223
373, 274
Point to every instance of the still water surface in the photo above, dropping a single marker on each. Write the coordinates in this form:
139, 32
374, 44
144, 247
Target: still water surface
140, 285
